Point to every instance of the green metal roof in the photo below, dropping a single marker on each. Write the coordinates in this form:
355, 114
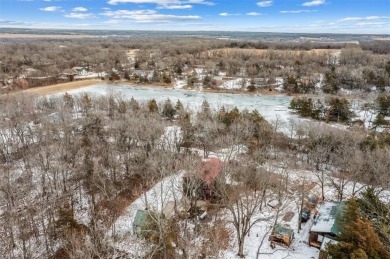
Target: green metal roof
140, 218
282, 230
338, 212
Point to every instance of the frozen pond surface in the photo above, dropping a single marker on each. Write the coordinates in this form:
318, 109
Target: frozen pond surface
271, 107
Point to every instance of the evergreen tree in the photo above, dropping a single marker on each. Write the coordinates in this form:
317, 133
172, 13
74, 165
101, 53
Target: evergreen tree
134, 105
383, 104
152, 105
207, 81
179, 106
68, 100
357, 238
86, 103
205, 112
122, 108
339, 110
187, 131
126, 76
156, 76
168, 110
377, 212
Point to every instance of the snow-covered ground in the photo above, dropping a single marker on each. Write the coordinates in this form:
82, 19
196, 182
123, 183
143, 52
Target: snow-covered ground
272, 107
234, 84
265, 105
121, 233
179, 84
169, 190
279, 84
299, 248
91, 75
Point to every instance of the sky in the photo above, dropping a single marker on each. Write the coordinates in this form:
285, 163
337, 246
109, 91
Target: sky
305, 16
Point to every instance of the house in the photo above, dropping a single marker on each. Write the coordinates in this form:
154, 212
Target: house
282, 235
80, 71
203, 185
326, 223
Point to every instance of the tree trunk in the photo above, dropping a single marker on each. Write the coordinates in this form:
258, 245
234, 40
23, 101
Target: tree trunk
241, 248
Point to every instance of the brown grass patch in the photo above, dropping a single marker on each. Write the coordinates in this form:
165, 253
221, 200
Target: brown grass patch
288, 216
219, 237
60, 88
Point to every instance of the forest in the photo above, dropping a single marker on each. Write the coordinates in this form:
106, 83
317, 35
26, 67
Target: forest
77, 169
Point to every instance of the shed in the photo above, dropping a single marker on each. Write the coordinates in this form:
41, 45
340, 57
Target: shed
141, 222
282, 234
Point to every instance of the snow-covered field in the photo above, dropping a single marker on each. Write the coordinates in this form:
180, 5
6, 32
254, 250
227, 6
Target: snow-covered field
271, 107
265, 105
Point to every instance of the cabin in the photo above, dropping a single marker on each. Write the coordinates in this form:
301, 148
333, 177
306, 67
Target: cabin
203, 185
281, 235
80, 71
326, 223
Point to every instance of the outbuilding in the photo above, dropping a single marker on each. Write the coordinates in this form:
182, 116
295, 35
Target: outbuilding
326, 223
282, 235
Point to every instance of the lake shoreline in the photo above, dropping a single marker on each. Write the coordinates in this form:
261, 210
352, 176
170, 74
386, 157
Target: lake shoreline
68, 86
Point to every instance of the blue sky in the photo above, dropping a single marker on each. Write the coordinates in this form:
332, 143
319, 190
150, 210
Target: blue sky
328, 16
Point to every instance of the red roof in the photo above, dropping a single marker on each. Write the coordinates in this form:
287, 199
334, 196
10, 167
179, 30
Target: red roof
212, 168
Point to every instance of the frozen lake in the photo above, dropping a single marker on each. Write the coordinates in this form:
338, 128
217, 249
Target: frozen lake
271, 107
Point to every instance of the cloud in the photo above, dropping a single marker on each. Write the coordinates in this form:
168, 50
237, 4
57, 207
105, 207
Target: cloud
13, 23
253, 14
175, 7
298, 11
145, 16
354, 19
80, 15
113, 22
314, 3
79, 9
50, 9
160, 2
265, 3
370, 23
229, 14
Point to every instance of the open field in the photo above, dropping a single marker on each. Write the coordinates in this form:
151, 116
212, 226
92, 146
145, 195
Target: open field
58, 88
43, 36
